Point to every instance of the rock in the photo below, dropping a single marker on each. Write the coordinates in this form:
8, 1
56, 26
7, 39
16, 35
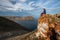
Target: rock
49, 27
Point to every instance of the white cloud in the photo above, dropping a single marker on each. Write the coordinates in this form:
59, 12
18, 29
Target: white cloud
31, 3
19, 6
23, 6
6, 4
11, 9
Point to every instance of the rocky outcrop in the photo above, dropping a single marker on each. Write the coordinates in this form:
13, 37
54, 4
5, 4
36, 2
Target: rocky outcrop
47, 26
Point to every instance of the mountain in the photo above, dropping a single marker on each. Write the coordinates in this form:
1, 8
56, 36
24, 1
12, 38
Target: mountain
19, 18
10, 28
8, 24
26, 21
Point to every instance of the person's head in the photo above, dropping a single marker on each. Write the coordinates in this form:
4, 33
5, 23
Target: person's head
44, 12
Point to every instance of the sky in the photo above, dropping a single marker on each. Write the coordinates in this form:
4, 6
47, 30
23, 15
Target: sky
28, 7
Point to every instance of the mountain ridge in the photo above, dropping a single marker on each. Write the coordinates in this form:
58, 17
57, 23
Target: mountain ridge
19, 18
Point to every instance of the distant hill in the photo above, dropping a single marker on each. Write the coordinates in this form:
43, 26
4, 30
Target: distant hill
28, 22
10, 28
18, 18
6, 24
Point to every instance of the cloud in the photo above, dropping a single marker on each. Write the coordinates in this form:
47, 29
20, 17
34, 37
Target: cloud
18, 5
31, 3
23, 6
6, 4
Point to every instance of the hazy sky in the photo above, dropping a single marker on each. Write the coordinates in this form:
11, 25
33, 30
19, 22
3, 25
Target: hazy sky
33, 7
